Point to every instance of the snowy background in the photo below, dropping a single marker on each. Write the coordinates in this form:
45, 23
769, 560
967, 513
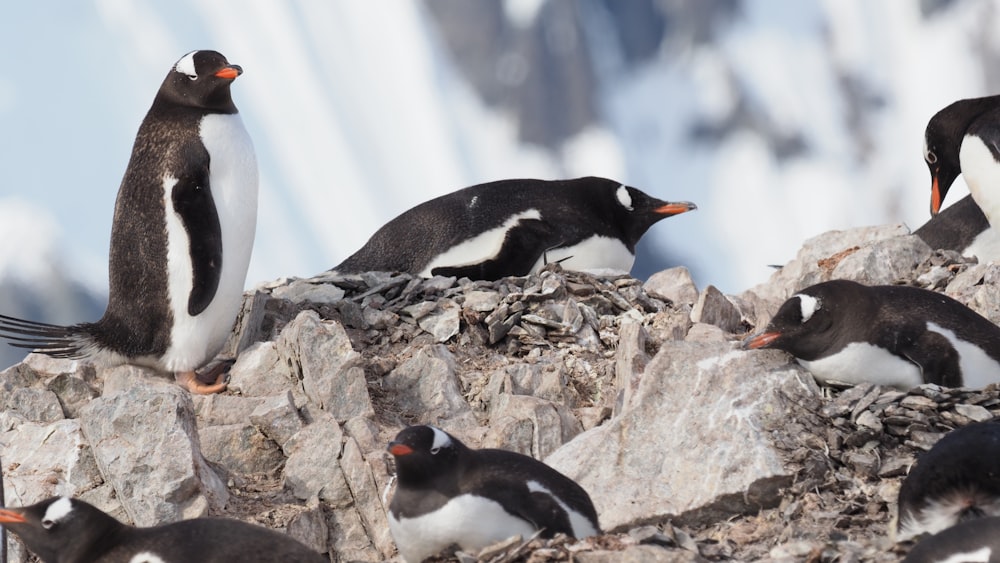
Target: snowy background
780, 119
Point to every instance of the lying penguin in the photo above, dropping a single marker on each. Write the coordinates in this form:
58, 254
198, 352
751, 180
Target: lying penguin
899, 336
515, 227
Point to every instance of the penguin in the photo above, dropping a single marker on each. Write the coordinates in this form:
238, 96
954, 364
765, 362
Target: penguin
897, 336
962, 139
973, 541
958, 479
181, 238
963, 228
67, 530
516, 227
447, 493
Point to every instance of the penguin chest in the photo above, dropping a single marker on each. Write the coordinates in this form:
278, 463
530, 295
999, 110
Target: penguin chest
471, 521
199, 333
864, 362
982, 174
596, 254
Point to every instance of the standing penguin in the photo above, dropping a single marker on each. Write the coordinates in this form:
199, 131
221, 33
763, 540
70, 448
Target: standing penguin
449, 494
65, 530
515, 227
181, 238
902, 336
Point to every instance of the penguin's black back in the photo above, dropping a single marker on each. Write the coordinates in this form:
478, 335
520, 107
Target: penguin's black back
570, 210
956, 227
973, 540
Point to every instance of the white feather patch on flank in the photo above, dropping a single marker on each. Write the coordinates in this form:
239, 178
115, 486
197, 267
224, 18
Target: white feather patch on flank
982, 174
480, 248
978, 368
441, 438
862, 362
624, 197
944, 512
809, 305
597, 254
58, 510
185, 66
146, 557
580, 524
981, 555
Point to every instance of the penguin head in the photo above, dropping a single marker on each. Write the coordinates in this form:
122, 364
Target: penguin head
59, 525
942, 140
425, 453
201, 79
800, 326
637, 211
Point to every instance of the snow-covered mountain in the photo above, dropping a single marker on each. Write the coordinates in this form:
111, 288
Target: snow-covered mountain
780, 119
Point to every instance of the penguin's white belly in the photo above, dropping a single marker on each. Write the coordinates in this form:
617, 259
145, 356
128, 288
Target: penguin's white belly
472, 522
596, 254
862, 362
982, 174
978, 368
194, 340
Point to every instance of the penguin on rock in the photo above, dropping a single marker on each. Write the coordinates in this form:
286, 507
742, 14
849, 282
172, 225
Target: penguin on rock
514, 228
65, 530
447, 493
181, 238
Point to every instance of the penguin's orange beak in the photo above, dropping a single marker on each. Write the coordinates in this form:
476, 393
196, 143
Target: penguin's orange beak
396, 448
760, 340
935, 196
675, 208
230, 72
11, 517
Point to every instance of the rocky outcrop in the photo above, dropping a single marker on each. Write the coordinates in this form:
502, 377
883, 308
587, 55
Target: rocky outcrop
690, 447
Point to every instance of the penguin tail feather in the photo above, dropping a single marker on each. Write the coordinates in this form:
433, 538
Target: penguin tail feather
68, 342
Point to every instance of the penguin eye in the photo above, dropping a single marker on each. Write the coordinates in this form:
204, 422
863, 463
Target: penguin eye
930, 157
47, 524
434, 451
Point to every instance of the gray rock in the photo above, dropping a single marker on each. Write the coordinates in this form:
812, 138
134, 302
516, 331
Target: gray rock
224, 410
42, 460
300, 291
73, 392
883, 262
261, 371
690, 395
145, 442
639, 554
38, 405
312, 470
277, 418
241, 449
426, 387
714, 308
674, 284
529, 425
366, 497
444, 322
481, 301
309, 527
349, 538
332, 372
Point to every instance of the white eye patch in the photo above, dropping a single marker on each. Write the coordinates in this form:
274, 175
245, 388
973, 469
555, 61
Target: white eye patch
185, 66
809, 305
57, 511
441, 439
624, 198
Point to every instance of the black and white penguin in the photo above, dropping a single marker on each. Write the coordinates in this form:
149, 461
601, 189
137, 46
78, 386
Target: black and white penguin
973, 541
901, 336
449, 494
962, 227
61, 529
515, 227
957, 480
181, 238
963, 139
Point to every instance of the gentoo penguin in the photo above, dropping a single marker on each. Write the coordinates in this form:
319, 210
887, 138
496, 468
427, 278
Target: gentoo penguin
958, 479
973, 541
180, 243
889, 335
515, 227
449, 494
962, 139
962, 227
65, 530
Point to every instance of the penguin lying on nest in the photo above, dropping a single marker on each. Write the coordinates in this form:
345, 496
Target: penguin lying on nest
514, 228
181, 237
61, 529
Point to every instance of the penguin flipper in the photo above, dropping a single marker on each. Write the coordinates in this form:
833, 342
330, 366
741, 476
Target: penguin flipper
521, 248
192, 200
937, 358
58, 341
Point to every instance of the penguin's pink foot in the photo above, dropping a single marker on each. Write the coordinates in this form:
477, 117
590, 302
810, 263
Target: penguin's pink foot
190, 381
